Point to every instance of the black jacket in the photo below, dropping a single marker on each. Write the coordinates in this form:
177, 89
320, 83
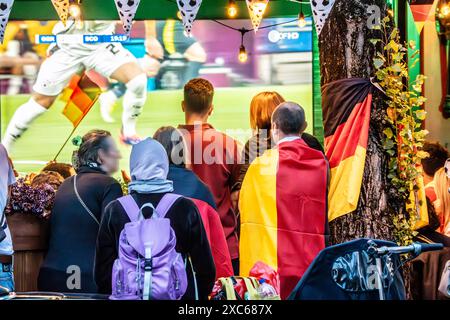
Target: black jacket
191, 239
73, 232
187, 184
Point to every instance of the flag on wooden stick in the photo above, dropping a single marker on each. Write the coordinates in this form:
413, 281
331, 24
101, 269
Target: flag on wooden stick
80, 95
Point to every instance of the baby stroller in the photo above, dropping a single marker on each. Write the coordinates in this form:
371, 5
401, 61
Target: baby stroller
362, 269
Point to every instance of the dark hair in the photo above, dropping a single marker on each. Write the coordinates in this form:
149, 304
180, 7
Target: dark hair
92, 142
64, 169
198, 95
169, 138
52, 178
437, 158
289, 118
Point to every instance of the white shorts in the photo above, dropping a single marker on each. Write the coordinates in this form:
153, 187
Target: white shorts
57, 70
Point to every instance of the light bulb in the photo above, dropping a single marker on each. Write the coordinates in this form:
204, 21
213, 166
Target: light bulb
445, 10
75, 11
301, 20
243, 56
232, 9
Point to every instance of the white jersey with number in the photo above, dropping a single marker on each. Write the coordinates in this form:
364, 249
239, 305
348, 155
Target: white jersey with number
75, 32
67, 58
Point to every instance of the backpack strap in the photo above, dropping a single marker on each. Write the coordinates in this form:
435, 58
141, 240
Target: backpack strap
131, 207
166, 203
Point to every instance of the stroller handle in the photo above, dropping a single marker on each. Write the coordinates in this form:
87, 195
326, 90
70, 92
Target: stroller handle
415, 248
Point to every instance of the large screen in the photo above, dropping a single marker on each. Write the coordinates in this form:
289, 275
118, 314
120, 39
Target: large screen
279, 58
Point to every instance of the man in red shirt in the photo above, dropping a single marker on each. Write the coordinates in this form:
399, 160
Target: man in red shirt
213, 156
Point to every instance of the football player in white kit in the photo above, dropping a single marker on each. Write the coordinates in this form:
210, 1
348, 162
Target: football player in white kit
67, 58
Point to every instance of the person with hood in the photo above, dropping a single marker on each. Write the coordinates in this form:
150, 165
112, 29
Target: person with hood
149, 167
187, 184
185, 181
7, 178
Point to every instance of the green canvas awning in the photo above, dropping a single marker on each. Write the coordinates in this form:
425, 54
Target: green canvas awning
149, 9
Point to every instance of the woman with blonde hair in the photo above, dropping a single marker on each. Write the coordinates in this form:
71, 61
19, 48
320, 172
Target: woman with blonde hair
442, 203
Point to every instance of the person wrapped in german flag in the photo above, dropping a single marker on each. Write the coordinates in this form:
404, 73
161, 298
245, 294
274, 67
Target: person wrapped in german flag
283, 202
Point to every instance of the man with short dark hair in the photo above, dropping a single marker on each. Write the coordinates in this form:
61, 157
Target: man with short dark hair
283, 202
288, 120
213, 156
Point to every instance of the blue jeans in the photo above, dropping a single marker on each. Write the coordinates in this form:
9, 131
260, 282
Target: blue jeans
6, 276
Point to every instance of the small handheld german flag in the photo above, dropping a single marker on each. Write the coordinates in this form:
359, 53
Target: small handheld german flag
80, 95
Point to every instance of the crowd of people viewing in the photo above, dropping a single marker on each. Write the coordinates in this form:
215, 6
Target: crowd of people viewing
223, 221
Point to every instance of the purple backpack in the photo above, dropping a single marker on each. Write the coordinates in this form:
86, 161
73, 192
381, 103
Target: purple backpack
148, 267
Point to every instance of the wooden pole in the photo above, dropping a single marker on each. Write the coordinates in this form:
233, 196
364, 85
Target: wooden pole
65, 142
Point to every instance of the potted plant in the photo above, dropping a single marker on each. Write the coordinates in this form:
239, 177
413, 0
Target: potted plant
26, 216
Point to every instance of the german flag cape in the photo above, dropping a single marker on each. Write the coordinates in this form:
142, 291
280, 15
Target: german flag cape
283, 211
346, 116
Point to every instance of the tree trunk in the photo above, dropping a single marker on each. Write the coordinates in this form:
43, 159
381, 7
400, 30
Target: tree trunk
346, 52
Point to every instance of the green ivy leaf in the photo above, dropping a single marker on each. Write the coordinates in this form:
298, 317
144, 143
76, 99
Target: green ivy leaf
388, 133
388, 144
378, 63
417, 87
421, 114
392, 45
396, 68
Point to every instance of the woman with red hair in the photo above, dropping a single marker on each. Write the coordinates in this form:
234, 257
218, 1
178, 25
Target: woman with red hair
261, 110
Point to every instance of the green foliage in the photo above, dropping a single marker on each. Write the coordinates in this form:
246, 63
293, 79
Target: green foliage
403, 137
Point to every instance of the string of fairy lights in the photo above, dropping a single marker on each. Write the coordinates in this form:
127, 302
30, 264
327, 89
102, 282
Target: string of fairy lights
232, 11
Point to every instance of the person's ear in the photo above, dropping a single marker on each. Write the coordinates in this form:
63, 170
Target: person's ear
305, 125
100, 156
183, 106
274, 132
211, 109
273, 126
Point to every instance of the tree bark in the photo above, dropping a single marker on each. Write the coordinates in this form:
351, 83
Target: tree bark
346, 52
